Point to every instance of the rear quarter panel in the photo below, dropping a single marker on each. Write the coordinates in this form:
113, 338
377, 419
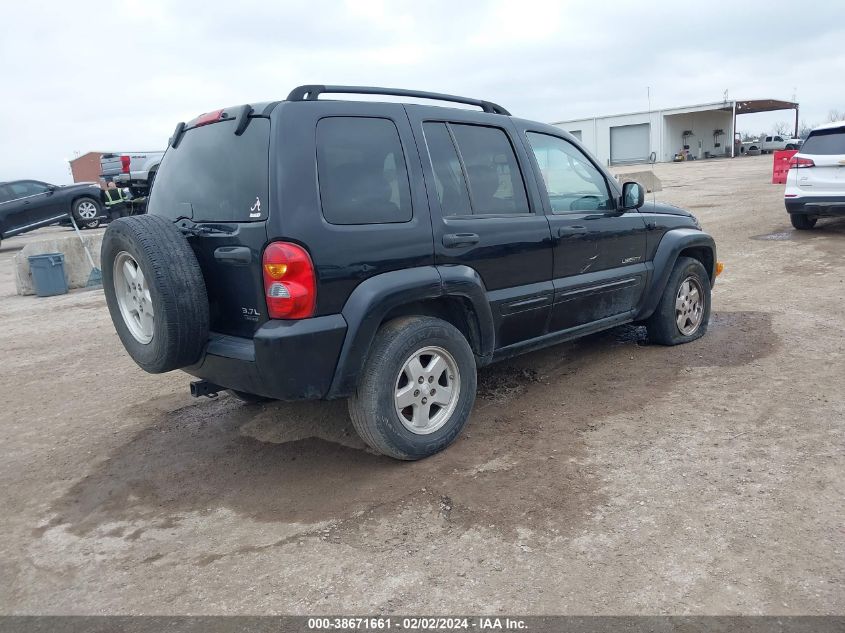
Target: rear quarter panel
343, 255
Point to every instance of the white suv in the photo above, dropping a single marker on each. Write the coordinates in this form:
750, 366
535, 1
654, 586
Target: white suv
815, 185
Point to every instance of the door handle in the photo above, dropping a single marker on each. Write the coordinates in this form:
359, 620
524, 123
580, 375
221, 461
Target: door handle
571, 230
237, 255
456, 240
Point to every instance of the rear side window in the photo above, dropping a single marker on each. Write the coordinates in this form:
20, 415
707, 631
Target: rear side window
361, 169
214, 176
475, 170
825, 142
495, 183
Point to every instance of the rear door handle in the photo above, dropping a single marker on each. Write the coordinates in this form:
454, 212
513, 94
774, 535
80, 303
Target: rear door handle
571, 230
236, 255
456, 240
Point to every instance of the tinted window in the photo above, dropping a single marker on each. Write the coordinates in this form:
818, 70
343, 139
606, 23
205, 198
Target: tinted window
215, 175
5, 194
362, 173
825, 142
572, 181
495, 183
448, 176
19, 189
35, 187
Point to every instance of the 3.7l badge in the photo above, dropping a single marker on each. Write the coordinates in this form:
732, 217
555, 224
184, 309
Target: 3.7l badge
250, 314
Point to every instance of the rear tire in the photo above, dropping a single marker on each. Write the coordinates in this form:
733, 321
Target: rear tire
683, 312
802, 222
155, 292
427, 365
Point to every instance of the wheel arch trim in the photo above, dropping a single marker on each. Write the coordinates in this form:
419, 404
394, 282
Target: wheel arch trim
373, 299
672, 246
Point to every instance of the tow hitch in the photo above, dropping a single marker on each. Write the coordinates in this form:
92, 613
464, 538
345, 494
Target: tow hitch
204, 388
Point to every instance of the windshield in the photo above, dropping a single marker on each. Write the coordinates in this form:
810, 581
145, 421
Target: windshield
215, 176
825, 142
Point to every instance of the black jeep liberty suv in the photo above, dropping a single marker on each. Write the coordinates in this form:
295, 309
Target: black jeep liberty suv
382, 252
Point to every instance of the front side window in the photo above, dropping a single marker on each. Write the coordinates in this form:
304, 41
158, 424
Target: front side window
573, 183
361, 169
36, 187
19, 189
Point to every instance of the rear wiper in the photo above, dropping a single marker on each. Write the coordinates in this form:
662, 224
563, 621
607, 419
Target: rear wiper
189, 227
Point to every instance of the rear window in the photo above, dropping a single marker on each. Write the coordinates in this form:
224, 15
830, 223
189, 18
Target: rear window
215, 176
825, 142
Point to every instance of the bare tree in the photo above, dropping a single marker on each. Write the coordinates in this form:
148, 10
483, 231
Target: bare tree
804, 129
835, 115
782, 128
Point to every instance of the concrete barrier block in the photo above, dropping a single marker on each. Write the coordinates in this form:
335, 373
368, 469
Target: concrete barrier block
77, 266
647, 179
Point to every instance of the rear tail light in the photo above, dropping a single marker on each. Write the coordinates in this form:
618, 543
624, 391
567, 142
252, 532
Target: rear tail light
290, 286
124, 164
796, 162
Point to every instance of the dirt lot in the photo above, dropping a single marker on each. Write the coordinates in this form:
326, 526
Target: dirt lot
603, 476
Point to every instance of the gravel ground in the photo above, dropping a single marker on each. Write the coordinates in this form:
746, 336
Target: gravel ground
605, 476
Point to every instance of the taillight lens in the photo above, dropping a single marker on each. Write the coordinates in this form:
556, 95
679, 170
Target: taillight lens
797, 162
290, 286
208, 117
124, 164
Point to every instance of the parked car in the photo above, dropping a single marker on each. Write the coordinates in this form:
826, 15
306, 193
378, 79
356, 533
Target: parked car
815, 183
382, 252
26, 205
769, 144
134, 170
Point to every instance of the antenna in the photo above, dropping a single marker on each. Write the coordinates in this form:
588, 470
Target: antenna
652, 157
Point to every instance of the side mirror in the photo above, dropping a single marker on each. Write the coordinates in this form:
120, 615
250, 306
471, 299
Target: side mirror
51, 188
633, 195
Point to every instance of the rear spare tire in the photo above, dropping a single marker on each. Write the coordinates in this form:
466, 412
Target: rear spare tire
155, 292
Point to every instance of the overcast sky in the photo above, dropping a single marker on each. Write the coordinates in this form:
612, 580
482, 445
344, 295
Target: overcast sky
81, 76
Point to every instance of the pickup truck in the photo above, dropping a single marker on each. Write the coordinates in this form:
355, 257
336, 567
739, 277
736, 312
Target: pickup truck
135, 170
769, 144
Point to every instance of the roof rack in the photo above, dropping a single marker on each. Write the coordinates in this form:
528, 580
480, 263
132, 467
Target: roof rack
310, 93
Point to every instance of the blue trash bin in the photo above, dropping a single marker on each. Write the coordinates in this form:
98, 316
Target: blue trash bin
48, 274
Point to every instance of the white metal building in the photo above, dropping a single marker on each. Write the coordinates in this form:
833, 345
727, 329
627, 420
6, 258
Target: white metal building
707, 130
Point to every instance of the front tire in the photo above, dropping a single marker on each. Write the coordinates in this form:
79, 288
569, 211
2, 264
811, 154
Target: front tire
86, 211
416, 390
802, 222
683, 312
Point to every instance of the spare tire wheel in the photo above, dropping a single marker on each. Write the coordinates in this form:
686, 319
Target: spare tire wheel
155, 292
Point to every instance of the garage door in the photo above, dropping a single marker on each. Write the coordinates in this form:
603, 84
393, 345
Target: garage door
629, 143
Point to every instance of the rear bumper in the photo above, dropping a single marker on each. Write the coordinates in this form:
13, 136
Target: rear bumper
287, 360
816, 205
